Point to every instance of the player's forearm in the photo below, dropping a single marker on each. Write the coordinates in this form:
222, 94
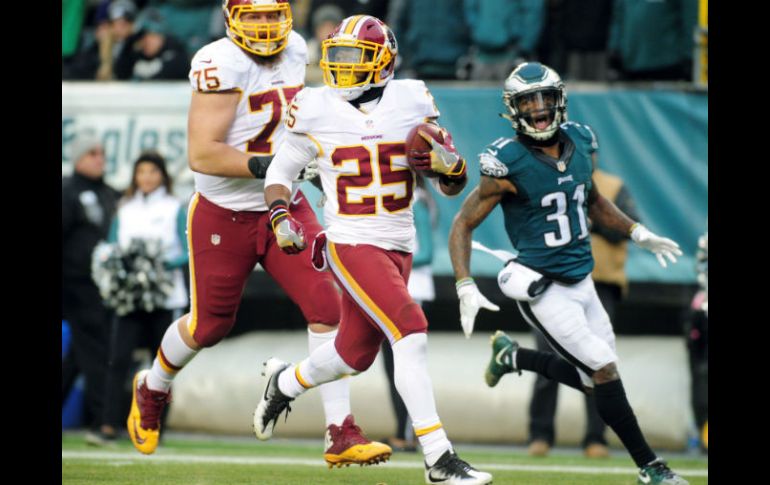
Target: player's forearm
603, 212
460, 247
219, 159
276, 192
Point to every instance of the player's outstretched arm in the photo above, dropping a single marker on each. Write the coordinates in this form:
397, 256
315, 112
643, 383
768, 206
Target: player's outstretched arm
209, 120
474, 210
606, 213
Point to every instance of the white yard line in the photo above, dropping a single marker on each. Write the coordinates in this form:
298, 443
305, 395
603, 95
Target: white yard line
133, 457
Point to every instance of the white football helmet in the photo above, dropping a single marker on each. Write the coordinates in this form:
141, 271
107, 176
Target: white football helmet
536, 99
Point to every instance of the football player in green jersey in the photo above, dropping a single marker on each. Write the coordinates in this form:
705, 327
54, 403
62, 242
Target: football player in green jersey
542, 179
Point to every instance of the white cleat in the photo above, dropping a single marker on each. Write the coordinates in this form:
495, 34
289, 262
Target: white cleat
273, 401
451, 470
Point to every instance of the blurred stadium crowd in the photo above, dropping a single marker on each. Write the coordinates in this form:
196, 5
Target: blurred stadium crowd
600, 40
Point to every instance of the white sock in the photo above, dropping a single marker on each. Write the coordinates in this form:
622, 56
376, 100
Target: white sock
323, 365
335, 394
172, 355
410, 369
434, 444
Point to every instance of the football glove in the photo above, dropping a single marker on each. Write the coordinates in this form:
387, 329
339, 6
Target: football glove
660, 246
289, 233
310, 172
444, 158
471, 300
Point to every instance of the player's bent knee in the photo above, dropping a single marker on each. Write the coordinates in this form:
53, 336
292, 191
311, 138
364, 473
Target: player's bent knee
411, 319
212, 329
325, 304
362, 361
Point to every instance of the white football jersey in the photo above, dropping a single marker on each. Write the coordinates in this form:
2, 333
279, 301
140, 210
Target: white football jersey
258, 126
367, 180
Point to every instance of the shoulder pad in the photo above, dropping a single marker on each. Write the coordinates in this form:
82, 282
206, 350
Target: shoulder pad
219, 66
297, 47
306, 109
414, 95
581, 133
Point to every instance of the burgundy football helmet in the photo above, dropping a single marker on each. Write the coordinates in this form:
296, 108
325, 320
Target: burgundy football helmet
359, 54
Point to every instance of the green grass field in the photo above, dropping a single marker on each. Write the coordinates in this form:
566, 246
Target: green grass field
201, 461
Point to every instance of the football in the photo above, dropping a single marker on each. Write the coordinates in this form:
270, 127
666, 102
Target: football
416, 144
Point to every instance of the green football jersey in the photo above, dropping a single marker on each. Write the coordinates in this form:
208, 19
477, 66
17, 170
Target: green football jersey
547, 220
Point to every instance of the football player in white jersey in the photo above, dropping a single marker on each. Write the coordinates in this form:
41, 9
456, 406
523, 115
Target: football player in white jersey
241, 85
355, 128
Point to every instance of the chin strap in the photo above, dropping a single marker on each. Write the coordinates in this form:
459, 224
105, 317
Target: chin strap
368, 95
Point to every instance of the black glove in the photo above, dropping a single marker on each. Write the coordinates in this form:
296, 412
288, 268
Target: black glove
258, 165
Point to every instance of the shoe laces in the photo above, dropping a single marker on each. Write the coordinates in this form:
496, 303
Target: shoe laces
353, 432
456, 466
276, 405
154, 403
661, 468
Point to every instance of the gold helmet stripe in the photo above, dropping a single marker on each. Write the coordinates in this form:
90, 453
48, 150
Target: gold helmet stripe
352, 24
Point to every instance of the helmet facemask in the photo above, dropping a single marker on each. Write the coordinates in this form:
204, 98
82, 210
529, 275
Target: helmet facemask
536, 100
255, 35
538, 113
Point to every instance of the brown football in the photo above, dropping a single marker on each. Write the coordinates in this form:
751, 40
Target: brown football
416, 144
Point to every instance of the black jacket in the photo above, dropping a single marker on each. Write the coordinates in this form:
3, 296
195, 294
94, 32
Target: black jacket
87, 208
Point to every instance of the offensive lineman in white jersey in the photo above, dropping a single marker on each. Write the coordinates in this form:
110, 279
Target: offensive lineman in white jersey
355, 128
241, 85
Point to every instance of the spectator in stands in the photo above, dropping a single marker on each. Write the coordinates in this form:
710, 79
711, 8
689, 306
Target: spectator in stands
428, 52
421, 289
117, 49
92, 58
375, 8
87, 207
325, 19
653, 40
156, 55
150, 212
503, 32
194, 23
610, 249
574, 38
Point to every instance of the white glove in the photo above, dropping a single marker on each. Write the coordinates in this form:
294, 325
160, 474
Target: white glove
661, 246
471, 300
310, 172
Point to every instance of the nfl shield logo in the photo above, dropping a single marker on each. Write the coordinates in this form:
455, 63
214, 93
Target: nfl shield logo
561, 166
369, 123
215, 239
